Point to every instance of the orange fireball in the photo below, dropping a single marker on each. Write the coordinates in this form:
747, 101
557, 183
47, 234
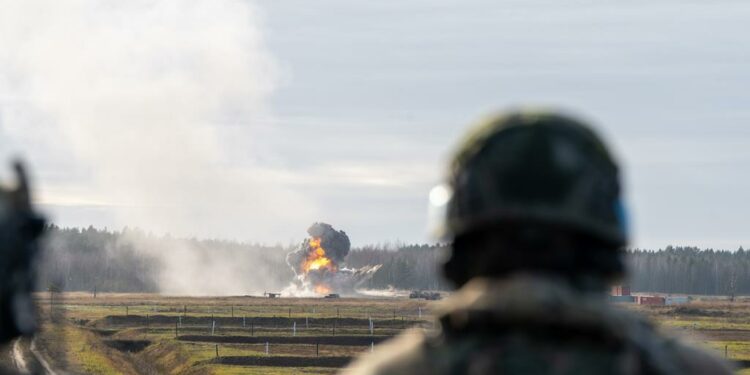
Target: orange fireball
316, 259
322, 289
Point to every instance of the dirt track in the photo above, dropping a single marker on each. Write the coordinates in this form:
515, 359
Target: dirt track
27, 358
311, 340
114, 320
719, 334
277, 361
19, 359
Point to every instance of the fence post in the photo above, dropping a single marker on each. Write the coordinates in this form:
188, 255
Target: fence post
217, 350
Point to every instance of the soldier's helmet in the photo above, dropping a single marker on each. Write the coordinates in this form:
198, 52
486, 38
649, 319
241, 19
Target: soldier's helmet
536, 169
20, 228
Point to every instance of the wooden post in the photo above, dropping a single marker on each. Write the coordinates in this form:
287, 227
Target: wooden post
726, 351
317, 349
217, 350
232, 311
175, 330
338, 315
252, 327
184, 310
126, 310
290, 312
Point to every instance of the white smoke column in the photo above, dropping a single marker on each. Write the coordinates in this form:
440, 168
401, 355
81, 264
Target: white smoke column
158, 101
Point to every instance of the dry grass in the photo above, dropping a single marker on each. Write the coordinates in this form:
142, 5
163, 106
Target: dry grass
715, 324
79, 333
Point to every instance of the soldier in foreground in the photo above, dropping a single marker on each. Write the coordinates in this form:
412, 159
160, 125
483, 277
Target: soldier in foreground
20, 228
534, 213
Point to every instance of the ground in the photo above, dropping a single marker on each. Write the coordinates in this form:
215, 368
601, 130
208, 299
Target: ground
152, 334
147, 333
716, 323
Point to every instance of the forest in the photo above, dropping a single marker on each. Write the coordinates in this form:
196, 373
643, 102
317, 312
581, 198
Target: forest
132, 260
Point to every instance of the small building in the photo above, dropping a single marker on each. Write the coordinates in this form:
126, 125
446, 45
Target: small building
620, 290
650, 300
621, 299
676, 300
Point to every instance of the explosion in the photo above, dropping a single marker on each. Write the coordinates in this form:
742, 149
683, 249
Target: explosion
318, 263
317, 259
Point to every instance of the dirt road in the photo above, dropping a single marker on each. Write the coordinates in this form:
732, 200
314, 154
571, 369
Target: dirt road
18, 357
27, 358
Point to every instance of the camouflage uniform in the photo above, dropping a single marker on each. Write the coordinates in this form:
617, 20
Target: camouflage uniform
533, 211
535, 325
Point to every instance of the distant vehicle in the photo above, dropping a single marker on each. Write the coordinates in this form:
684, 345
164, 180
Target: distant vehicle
430, 296
271, 295
332, 295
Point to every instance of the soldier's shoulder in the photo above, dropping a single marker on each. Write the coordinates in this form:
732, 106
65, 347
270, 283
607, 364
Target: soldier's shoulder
404, 354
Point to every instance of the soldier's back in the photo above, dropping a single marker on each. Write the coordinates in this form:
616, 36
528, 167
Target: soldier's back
532, 325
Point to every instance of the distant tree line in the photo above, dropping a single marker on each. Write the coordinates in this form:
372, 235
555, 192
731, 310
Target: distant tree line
690, 270
127, 261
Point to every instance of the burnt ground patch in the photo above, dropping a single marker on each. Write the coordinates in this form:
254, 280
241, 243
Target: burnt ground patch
238, 321
131, 346
283, 361
311, 340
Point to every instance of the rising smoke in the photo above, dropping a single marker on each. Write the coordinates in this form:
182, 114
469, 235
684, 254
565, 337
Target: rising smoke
336, 244
155, 104
319, 264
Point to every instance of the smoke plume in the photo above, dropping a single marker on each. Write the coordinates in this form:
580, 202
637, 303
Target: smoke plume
335, 242
156, 104
318, 263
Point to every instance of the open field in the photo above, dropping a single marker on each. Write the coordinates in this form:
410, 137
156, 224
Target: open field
718, 324
146, 333
151, 334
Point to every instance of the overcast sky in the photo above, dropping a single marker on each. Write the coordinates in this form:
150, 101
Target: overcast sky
353, 107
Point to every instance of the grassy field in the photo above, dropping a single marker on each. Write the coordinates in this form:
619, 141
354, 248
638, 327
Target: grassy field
717, 324
145, 333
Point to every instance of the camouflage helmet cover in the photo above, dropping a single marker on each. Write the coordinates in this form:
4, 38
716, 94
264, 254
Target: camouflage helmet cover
533, 166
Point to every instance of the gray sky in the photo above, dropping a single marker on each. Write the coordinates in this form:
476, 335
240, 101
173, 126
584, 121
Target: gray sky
362, 104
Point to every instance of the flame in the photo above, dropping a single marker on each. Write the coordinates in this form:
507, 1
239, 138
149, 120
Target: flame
316, 259
322, 289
